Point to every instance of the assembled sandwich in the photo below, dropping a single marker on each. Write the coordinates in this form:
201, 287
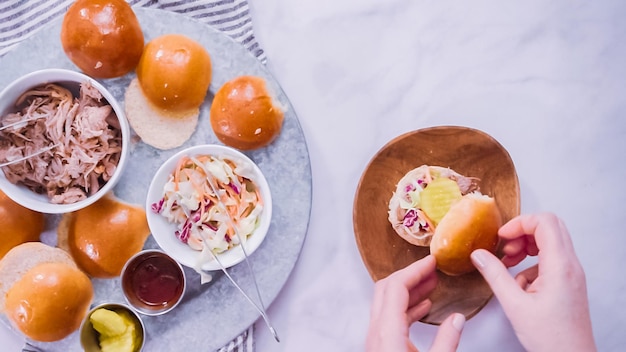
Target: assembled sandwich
439, 208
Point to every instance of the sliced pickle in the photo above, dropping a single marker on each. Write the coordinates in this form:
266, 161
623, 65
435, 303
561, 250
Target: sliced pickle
438, 196
107, 322
117, 329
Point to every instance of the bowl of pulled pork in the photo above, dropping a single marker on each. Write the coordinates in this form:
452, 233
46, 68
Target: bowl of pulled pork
64, 140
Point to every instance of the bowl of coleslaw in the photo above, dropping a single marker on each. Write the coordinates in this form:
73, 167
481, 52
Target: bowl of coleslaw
209, 198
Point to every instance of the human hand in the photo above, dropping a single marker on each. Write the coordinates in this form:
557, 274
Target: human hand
402, 299
546, 303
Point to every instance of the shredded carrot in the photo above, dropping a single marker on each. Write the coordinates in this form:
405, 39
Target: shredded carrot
194, 170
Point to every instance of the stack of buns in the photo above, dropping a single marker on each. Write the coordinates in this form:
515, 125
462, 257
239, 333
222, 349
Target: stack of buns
45, 291
42, 292
163, 102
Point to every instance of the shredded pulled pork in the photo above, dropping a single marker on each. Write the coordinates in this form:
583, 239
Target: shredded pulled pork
86, 133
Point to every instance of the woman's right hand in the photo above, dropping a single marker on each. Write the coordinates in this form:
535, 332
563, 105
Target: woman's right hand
547, 303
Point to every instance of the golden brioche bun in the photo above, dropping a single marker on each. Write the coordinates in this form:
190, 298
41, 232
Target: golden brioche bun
174, 72
22, 258
42, 292
18, 224
158, 128
244, 114
102, 37
49, 302
104, 235
470, 224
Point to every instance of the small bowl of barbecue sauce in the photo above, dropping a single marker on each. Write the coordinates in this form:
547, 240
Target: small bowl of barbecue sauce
153, 282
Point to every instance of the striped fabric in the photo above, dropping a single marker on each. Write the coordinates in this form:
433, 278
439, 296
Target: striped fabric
21, 19
242, 343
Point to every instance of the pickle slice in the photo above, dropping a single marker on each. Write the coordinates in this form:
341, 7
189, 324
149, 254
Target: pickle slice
438, 196
107, 322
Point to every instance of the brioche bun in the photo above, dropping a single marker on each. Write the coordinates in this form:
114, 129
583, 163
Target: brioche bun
158, 128
102, 37
174, 72
104, 235
24, 257
42, 292
18, 224
244, 114
49, 302
470, 224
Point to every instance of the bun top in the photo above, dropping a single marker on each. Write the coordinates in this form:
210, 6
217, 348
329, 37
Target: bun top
42, 292
104, 235
24, 257
102, 37
244, 114
174, 72
18, 224
471, 223
49, 301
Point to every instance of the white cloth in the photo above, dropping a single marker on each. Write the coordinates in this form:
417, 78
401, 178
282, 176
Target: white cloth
23, 18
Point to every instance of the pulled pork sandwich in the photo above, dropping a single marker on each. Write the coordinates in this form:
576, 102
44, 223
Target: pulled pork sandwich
439, 208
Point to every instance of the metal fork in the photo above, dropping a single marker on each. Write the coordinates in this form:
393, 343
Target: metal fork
260, 309
43, 150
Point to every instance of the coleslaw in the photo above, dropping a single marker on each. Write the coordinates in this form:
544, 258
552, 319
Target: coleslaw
203, 216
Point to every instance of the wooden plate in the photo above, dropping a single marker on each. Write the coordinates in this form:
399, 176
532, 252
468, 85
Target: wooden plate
467, 151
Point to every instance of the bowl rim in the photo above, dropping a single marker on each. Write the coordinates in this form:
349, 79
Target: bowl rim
40, 202
86, 323
145, 311
163, 232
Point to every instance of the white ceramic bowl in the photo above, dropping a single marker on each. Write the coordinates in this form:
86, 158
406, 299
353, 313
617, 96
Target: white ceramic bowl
163, 231
71, 80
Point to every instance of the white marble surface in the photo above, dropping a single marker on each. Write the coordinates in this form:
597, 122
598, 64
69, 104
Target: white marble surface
546, 78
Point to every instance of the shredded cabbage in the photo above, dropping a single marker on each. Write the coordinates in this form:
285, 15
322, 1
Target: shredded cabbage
189, 202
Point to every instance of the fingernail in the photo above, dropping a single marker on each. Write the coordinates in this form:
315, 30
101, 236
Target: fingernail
458, 321
478, 258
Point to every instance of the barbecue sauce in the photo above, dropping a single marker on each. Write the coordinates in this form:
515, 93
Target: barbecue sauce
153, 281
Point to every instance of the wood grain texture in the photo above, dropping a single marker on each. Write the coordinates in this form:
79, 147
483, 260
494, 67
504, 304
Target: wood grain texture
467, 151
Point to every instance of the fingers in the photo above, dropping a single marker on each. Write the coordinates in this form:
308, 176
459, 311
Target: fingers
414, 273
401, 290
517, 249
417, 312
527, 277
449, 334
551, 239
423, 289
497, 276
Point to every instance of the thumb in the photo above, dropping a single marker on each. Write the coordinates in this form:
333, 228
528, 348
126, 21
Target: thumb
449, 334
503, 285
